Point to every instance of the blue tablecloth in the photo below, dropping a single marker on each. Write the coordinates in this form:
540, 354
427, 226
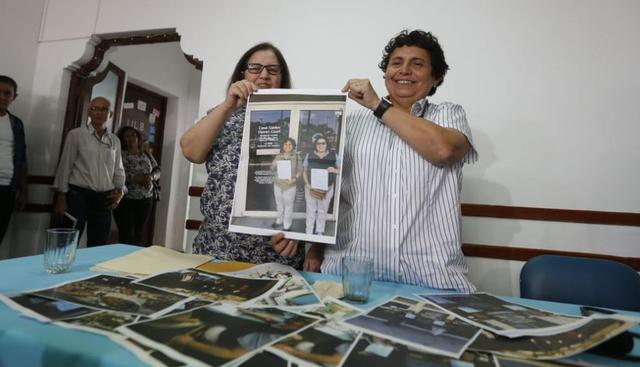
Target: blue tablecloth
26, 342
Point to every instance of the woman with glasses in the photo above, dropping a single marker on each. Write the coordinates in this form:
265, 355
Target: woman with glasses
320, 168
216, 139
141, 171
284, 185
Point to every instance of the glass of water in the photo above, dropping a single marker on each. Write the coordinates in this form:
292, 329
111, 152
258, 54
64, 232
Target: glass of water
60, 249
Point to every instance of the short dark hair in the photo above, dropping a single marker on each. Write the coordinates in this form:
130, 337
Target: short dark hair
290, 140
123, 130
11, 82
241, 66
424, 40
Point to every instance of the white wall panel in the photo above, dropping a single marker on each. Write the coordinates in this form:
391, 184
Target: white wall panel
69, 19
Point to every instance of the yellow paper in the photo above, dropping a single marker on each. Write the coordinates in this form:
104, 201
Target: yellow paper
151, 260
225, 266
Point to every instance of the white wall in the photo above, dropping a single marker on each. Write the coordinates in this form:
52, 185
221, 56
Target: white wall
549, 87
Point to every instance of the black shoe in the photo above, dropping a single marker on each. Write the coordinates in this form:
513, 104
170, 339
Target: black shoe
276, 225
286, 229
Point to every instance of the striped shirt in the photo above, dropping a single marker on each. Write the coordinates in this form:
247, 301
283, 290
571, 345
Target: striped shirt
398, 208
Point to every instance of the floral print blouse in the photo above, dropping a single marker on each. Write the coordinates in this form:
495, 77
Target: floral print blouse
143, 164
216, 202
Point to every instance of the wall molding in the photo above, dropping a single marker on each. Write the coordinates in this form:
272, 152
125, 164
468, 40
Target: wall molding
524, 254
529, 213
488, 211
475, 210
506, 252
551, 214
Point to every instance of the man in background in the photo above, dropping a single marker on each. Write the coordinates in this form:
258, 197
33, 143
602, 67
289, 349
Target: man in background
13, 156
90, 176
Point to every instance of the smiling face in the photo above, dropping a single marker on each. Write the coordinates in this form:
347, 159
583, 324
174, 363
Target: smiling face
264, 79
408, 76
287, 147
321, 145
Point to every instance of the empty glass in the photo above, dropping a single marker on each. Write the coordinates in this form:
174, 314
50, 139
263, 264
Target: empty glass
357, 273
60, 249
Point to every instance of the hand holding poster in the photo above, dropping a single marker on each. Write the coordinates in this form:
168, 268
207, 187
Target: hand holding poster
292, 149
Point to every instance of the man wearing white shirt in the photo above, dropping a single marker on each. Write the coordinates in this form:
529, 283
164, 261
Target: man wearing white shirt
90, 176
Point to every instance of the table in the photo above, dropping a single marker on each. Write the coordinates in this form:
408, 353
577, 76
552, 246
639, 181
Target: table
26, 342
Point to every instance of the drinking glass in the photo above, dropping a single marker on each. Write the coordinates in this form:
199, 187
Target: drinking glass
60, 249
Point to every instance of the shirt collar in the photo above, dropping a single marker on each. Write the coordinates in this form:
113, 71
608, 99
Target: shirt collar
93, 132
418, 108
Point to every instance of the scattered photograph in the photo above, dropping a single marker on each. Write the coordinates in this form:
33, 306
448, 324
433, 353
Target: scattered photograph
294, 291
418, 324
264, 359
514, 362
322, 345
44, 309
502, 317
290, 164
214, 336
211, 287
189, 305
565, 344
101, 322
153, 357
113, 293
375, 351
332, 310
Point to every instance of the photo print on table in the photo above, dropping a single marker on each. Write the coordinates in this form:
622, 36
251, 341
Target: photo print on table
215, 335
565, 344
418, 324
290, 165
44, 309
108, 292
210, 286
324, 344
371, 350
503, 317
293, 291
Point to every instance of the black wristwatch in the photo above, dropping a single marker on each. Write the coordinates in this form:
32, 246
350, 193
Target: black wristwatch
383, 106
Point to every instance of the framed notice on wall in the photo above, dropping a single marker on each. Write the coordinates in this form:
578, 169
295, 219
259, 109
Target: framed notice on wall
290, 164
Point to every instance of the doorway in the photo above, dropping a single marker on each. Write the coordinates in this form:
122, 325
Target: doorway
145, 111
168, 73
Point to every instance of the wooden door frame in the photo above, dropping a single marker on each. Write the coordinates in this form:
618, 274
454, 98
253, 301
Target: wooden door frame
82, 75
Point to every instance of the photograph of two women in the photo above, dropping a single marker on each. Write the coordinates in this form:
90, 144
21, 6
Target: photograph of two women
290, 164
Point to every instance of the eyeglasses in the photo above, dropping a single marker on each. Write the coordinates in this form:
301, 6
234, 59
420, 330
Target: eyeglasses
98, 109
255, 68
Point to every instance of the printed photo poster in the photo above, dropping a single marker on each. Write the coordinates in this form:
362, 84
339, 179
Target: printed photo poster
290, 165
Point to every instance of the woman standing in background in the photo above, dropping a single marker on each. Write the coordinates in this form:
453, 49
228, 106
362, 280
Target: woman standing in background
141, 170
